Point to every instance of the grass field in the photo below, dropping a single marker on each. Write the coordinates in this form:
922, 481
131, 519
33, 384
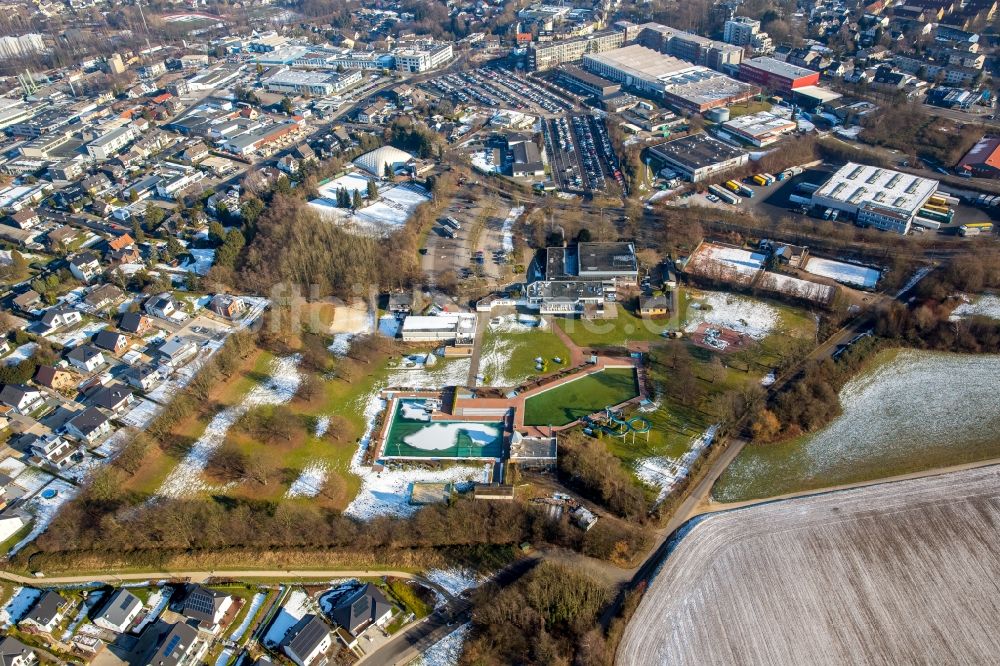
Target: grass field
613, 332
567, 402
911, 411
508, 357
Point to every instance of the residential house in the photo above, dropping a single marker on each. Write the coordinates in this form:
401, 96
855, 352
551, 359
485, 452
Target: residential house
85, 266
362, 608
126, 255
59, 317
206, 607
375, 113
15, 653
111, 341
61, 236
102, 296
176, 350
20, 398
28, 302
85, 358
400, 302
194, 153
121, 242
53, 450
55, 378
227, 306
135, 323
4, 347
653, 306
308, 641
46, 613
143, 377
288, 164
162, 305
26, 218
120, 612
115, 398
89, 426
180, 647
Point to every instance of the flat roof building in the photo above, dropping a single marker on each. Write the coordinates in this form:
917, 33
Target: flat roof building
593, 84
877, 197
699, 156
760, 129
777, 75
547, 55
456, 327
313, 83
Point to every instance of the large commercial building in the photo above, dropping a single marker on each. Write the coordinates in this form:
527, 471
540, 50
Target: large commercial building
760, 129
458, 328
595, 85
679, 84
549, 54
699, 156
777, 75
423, 58
877, 197
317, 84
583, 276
687, 46
740, 30
24, 45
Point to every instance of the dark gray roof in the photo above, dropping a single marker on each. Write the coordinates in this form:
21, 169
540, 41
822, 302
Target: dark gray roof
355, 610
88, 420
175, 645
107, 339
202, 603
46, 608
308, 633
130, 322
109, 397
83, 353
11, 649
52, 313
11, 394
121, 604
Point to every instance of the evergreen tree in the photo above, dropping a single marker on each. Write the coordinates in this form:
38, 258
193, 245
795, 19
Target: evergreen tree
356, 202
372, 190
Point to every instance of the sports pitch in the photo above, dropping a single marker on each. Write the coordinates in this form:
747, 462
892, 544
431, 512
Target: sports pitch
581, 397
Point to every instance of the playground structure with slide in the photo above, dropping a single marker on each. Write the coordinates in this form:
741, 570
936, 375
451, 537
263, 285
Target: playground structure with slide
612, 423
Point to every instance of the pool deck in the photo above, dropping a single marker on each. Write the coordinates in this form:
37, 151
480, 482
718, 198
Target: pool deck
510, 410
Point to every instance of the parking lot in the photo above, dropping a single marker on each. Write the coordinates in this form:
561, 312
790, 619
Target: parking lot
498, 88
580, 154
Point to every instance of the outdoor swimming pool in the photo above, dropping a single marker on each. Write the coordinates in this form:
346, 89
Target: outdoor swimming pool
412, 434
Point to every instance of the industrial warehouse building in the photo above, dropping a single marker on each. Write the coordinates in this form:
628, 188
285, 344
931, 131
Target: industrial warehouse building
760, 129
679, 84
595, 85
877, 197
458, 328
318, 84
698, 156
777, 75
983, 159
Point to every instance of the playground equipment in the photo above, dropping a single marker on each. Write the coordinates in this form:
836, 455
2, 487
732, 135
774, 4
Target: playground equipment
616, 426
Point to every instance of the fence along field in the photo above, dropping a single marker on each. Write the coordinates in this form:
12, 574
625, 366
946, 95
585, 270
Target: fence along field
897, 573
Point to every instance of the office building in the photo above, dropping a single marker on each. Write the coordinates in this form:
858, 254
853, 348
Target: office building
698, 156
776, 75
547, 55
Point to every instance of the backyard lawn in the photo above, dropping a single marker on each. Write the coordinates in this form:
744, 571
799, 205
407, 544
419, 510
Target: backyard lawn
570, 401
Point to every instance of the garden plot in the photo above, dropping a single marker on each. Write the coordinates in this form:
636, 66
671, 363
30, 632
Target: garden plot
255, 604
44, 509
22, 353
186, 479
852, 274
18, 606
984, 306
447, 651
914, 411
79, 335
739, 313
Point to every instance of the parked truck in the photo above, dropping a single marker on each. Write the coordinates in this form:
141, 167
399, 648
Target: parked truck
790, 173
744, 190
453, 223
760, 180
769, 178
936, 215
732, 185
724, 194
976, 228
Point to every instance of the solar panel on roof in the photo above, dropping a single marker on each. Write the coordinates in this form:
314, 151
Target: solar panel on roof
172, 645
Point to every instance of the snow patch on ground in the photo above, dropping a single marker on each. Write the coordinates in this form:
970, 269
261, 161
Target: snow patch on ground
310, 481
984, 306
859, 276
447, 651
21, 353
295, 608
455, 581
186, 479
43, 510
744, 315
507, 228
738, 259
322, 425
255, 604
342, 341
665, 473
20, 603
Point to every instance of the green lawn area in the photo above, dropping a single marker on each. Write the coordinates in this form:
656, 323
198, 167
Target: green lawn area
508, 358
572, 400
746, 108
613, 332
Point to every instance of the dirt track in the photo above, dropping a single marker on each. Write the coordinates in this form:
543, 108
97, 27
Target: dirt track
902, 572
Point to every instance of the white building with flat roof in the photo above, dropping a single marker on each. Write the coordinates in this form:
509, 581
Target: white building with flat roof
877, 197
457, 327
